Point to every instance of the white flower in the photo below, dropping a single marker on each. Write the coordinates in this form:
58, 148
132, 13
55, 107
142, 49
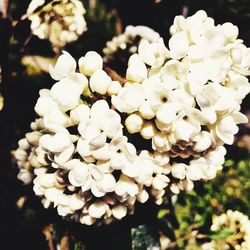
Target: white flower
148, 130
134, 123
79, 174
185, 127
56, 143
25, 176
203, 141
119, 211
160, 182
76, 202
179, 45
59, 22
238, 223
126, 185
158, 133
65, 66
67, 91
98, 209
45, 180
137, 71
179, 170
90, 63
129, 98
226, 129
100, 82
153, 54
230, 31
114, 88
80, 113
107, 119
45, 104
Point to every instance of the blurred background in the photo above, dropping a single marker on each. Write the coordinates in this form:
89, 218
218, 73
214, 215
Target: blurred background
24, 223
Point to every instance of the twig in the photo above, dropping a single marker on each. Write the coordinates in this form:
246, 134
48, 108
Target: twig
48, 232
114, 75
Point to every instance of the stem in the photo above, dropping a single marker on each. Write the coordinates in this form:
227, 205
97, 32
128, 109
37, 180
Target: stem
114, 75
174, 222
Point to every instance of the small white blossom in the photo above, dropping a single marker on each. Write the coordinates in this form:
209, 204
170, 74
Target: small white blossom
90, 63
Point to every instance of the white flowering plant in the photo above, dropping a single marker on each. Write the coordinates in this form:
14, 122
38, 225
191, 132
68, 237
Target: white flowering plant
60, 22
103, 143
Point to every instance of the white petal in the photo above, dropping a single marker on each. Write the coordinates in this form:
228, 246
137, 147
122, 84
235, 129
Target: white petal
83, 148
98, 209
226, 129
146, 52
103, 153
67, 91
79, 175
46, 180
65, 66
108, 182
119, 211
137, 72
64, 155
80, 113
98, 141
134, 123
179, 170
178, 45
76, 202
100, 82
56, 143
203, 141
90, 63
87, 220
143, 196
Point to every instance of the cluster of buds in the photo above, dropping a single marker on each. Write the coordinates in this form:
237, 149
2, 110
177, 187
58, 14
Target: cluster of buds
101, 145
60, 22
238, 224
121, 47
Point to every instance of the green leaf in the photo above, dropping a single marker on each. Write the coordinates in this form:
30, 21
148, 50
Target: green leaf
144, 238
220, 235
162, 213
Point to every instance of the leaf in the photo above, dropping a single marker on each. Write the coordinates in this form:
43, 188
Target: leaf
162, 213
220, 235
144, 238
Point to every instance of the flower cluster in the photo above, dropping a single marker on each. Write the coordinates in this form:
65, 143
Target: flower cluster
236, 222
100, 146
128, 41
60, 22
186, 99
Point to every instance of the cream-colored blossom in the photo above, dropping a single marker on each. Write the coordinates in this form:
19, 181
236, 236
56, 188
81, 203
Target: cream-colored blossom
60, 22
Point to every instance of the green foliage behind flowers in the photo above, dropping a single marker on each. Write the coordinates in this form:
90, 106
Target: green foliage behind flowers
194, 210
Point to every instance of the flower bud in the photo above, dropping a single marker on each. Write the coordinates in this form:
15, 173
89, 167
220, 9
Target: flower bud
134, 123
100, 82
90, 63
119, 211
98, 209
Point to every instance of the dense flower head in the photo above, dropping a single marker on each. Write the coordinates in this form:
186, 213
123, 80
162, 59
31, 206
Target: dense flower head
238, 224
60, 22
100, 146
